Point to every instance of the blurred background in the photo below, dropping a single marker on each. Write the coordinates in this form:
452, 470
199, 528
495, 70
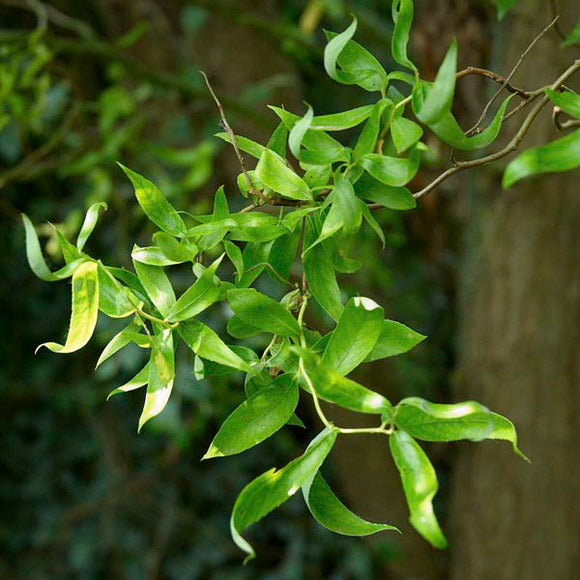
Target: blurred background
491, 277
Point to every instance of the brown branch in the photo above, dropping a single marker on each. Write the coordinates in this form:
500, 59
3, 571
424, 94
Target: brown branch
563, 125
510, 76
473, 70
511, 146
232, 136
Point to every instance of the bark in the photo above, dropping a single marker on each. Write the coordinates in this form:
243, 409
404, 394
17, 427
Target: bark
520, 309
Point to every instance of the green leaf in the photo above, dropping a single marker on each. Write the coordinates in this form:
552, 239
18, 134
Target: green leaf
395, 338
503, 7
321, 148
468, 420
331, 513
370, 219
573, 37
437, 103
277, 141
273, 172
357, 65
161, 377
392, 171
567, 101
371, 189
274, 487
237, 328
298, 131
449, 131
235, 255
89, 224
345, 211
419, 484
213, 369
138, 381
320, 273
155, 205
342, 121
355, 335
369, 135
560, 155
334, 388
69, 251
120, 340
152, 256
36, 260
157, 286
283, 253
204, 342
200, 296
176, 251
403, 19
85, 309
244, 144
263, 312
405, 133
114, 298
257, 418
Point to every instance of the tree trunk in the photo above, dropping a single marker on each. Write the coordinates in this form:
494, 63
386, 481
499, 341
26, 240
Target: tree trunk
520, 315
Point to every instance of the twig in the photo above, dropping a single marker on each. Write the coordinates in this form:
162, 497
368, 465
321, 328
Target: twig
232, 136
510, 76
563, 125
511, 146
473, 70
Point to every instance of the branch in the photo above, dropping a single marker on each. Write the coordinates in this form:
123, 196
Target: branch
473, 70
511, 146
510, 76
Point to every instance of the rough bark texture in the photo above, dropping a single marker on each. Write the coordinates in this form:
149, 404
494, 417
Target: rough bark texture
520, 329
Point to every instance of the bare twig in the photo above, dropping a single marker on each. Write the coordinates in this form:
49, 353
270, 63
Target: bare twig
510, 76
511, 146
473, 70
563, 125
232, 136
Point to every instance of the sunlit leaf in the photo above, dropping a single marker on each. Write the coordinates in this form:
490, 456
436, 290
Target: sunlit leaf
274, 487
161, 377
395, 338
120, 340
157, 286
355, 335
36, 260
138, 381
468, 420
263, 312
257, 418
560, 155
334, 388
204, 342
114, 298
155, 205
85, 309
273, 172
200, 296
